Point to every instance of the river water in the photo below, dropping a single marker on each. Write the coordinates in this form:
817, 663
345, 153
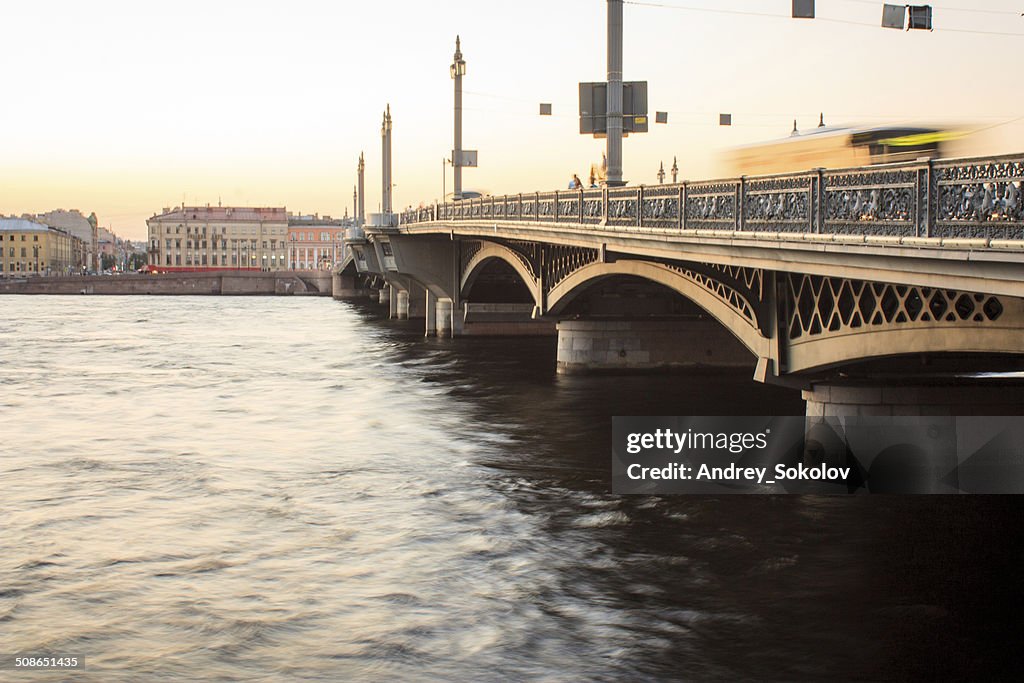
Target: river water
282, 489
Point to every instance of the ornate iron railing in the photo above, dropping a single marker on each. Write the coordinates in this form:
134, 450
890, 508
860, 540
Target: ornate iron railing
980, 198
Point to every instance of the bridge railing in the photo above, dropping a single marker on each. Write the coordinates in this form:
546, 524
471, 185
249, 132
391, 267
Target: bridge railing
977, 198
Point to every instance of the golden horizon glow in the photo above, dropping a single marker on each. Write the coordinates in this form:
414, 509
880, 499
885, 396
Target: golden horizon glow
124, 108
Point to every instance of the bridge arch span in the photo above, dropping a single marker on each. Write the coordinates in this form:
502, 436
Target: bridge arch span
489, 251
740, 325
348, 263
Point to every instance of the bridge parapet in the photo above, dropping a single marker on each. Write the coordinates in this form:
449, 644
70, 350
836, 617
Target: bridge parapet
979, 199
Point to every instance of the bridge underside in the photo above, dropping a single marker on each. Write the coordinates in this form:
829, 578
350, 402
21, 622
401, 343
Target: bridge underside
796, 327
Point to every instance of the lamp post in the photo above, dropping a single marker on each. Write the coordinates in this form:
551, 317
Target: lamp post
361, 203
661, 173
458, 70
614, 109
675, 171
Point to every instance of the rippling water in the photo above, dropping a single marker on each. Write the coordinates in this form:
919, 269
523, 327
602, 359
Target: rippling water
284, 488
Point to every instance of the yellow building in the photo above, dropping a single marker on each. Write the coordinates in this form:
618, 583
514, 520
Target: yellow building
31, 248
197, 238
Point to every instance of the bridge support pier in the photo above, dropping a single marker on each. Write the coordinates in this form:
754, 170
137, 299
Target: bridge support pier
402, 305
834, 400
430, 308
384, 294
444, 318
615, 345
392, 302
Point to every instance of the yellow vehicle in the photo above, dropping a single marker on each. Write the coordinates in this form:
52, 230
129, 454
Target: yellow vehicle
827, 147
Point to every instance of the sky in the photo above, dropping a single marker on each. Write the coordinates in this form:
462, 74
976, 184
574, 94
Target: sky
124, 108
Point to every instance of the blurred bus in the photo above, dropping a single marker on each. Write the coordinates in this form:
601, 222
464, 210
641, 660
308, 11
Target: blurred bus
827, 147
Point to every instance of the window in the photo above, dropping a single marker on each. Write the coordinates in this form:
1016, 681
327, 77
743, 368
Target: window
23, 251
35, 238
169, 260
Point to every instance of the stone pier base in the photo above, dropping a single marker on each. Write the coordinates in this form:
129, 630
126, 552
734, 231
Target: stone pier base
825, 400
639, 345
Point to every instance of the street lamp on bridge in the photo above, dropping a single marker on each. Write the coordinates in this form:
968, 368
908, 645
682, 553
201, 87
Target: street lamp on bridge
458, 70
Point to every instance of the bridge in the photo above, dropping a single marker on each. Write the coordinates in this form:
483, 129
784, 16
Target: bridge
860, 286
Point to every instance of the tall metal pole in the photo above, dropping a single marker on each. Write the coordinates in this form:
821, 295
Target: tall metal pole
384, 164
458, 69
615, 93
391, 184
361, 208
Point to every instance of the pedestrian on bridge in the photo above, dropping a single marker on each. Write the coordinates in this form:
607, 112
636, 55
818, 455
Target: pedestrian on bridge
575, 183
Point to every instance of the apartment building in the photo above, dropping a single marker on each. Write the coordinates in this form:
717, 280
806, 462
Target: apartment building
197, 238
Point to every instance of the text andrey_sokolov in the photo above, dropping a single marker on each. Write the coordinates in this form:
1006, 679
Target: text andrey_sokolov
734, 442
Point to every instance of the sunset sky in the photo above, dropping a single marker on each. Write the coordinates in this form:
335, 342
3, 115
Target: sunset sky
123, 108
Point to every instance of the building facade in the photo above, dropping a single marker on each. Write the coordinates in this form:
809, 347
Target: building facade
84, 228
315, 242
194, 238
31, 248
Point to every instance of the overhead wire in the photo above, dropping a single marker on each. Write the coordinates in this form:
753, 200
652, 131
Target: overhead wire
686, 8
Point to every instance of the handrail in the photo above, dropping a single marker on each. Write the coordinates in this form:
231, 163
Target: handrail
971, 198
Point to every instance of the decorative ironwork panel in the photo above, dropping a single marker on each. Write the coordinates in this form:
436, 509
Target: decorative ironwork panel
779, 204
527, 253
748, 280
623, 207
562, 261
546, 207
980, 199
529, 209
569, 209
486, 208
871, 202
818, 305
469, 250
593, 206
660, 206
711, 206
724, 292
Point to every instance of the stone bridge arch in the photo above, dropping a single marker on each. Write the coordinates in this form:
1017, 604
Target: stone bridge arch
483, 252
725, 304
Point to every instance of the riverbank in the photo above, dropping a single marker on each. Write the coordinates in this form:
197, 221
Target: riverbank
228, 283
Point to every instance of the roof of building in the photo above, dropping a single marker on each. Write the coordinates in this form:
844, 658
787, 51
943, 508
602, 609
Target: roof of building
314, 220
22, 225
223, 214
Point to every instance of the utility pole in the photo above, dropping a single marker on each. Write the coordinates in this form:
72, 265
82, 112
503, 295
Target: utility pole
458, 70
391, 183
385, 155
360, 206
614, 109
